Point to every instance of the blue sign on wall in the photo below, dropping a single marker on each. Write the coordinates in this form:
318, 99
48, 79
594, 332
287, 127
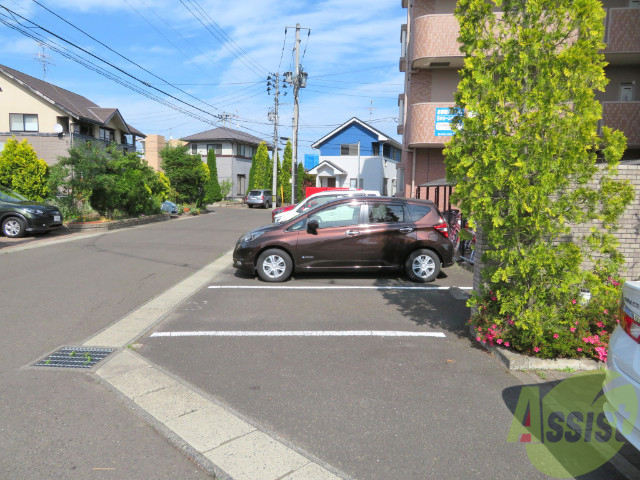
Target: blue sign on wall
443, 121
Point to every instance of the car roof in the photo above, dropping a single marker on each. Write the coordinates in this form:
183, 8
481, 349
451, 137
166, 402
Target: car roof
381, 199
349, 191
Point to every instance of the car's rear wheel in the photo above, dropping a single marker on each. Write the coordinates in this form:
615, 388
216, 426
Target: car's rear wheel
422, 265
274, 265
14, 227
249, 205
267, 205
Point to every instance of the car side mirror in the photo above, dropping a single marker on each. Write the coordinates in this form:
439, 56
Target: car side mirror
312, 226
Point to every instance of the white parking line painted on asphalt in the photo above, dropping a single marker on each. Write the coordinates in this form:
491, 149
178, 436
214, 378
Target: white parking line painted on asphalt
330, 287
300, 333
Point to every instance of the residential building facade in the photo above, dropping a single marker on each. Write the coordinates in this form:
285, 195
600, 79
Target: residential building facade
356, 155
234, 154
53, 119
431, 57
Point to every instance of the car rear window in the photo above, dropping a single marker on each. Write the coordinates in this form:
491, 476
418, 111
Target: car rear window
386, 213
417, 211
255, 192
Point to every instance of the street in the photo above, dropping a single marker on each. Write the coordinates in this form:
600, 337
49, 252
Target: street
410, 398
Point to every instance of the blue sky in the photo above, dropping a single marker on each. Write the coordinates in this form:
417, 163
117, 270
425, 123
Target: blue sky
216, 56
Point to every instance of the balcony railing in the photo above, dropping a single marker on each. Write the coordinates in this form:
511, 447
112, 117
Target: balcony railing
622, 33
435, 42
623, 116
420, 129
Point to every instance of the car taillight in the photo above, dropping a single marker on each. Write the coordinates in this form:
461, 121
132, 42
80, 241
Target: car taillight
628, 323
443, 228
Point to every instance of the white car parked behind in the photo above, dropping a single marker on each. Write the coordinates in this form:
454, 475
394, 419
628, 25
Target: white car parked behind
624, 359
321, 198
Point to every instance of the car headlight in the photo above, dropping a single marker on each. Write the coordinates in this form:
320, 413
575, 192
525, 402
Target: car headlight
33, 211
277, 218
250, 236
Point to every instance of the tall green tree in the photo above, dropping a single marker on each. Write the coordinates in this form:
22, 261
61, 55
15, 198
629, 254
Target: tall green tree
300, 182
525, 150
284, 177
21, 170
264, 167
187, 173
212, 191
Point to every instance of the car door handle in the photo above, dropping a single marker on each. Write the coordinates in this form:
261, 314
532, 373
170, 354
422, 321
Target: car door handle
352, 233
406, 229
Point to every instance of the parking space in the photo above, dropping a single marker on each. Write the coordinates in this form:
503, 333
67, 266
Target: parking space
371, 375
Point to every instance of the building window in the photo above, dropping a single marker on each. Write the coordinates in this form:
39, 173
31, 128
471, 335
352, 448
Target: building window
349, 149
240, 150
216, 147
401, 111
107, 135
194, 148
23, 122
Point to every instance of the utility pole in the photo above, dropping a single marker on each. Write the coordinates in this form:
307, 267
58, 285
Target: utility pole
273, 116
298, 80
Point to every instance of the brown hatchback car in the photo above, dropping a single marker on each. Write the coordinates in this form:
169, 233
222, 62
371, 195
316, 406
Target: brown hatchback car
351, 234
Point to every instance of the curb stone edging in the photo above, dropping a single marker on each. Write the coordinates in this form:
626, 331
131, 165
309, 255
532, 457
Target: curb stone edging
517, 361
129, 222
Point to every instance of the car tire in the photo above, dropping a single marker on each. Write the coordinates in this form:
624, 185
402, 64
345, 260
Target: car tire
274, 265
250, 206
422, 266
267, 205
14, 227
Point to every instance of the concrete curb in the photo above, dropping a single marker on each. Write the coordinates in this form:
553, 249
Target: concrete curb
517, 361
129, 222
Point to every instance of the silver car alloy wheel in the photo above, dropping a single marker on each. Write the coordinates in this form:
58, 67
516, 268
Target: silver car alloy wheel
11, 228
274, 266
423, 266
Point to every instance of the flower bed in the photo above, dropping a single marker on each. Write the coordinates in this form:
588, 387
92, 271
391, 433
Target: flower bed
114, 224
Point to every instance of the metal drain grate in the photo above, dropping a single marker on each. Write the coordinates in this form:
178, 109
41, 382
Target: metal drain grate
74, 357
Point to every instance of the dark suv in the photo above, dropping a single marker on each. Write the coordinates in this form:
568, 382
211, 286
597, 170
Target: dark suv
19, 215
260, 198
351, 234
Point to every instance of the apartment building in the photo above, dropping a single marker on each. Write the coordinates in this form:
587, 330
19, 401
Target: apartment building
430, 59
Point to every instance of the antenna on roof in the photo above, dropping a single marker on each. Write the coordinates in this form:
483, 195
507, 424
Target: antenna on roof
370, 110
44, 59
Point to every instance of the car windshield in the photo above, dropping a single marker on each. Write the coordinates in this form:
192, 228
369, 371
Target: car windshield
7, 195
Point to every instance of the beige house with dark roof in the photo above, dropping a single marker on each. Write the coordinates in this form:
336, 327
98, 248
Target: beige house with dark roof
52, 119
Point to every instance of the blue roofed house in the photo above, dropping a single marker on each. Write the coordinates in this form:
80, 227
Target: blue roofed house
356, 155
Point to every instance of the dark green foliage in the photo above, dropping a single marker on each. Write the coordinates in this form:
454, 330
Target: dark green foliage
187, 173
108, 180
212, 190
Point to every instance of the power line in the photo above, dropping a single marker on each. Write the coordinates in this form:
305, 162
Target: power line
226, 44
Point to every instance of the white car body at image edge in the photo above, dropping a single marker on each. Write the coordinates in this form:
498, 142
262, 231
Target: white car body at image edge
321, 198
624, 359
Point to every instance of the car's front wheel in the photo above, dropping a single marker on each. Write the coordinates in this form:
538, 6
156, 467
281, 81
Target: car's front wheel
274, 265
422, 266
14, 227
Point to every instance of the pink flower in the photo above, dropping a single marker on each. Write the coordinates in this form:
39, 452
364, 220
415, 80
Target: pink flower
579, 349
606, 311
573, 329
494, 298
577, 322
536, 349
478, 339
494, 326
499, 341
555, 335
511, 322
574, 302
600, 324
506, 344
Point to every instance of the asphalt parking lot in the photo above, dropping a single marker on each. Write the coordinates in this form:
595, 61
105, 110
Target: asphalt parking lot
375, 377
